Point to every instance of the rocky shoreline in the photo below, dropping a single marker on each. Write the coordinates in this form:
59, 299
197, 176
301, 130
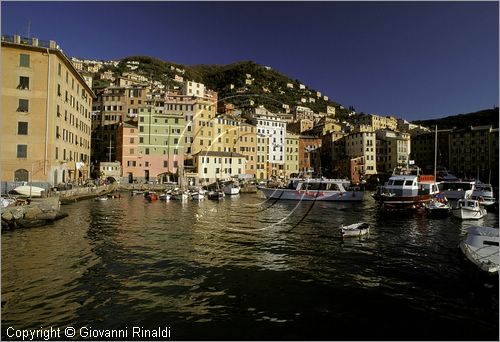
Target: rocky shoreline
38, 213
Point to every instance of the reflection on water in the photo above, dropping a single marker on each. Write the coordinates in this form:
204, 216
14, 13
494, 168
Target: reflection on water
247, 268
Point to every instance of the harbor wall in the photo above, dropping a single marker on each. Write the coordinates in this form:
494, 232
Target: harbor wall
37, 213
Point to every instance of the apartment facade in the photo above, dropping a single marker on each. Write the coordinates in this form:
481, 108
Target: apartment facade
214, 165
393, 150
248, 147
127, 151
161, 148
46, 114
363, 144
112, 106
291, 155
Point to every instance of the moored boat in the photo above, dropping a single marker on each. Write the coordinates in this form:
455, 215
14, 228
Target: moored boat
438, 206
458, 189
407, 189
231, 188
216, 195
315, 189
355, 229
198, 195
468, 209
30, 191
484, 194
480, 246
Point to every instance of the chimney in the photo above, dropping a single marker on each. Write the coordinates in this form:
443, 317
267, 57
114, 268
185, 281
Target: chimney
17, 39
34, 42
52, 44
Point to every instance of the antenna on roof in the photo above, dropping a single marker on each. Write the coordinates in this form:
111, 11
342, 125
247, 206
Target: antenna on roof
29, 28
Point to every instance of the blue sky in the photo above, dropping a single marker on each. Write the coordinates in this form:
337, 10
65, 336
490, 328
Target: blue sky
415, 60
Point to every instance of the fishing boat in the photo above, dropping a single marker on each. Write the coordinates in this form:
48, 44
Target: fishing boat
231, 188
438, 206
355, 229
30, 191
315, 189
480, 246
407, 189
468, 209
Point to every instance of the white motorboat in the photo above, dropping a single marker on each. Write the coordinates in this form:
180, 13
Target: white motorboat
468, 209
30, 191
407, 189
355, 229
315, 189
480, 246
101, 199
231, 188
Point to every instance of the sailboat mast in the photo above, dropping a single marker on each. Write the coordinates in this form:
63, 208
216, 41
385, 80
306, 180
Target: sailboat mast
435, 153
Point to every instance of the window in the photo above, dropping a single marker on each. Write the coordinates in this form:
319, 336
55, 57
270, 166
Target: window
165, 163
131, 151
146, 163
141, 129
23, 105
24, 60
141, 140
22, 151
24, 82
22, 128
175, 163
131, 140
147, 151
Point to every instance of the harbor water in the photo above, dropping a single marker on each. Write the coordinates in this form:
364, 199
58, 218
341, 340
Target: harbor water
246, 268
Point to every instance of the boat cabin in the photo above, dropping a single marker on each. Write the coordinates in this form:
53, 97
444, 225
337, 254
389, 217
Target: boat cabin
468, 203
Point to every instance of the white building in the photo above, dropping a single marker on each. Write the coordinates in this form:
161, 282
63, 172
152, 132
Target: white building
363, 144
193, 89
213, 165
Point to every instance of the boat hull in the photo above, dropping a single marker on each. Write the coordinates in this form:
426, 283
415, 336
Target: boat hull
465, 214
313, 195
27, 190
403, 202
481, 248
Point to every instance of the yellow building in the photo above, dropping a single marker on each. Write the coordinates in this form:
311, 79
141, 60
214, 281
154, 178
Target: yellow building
291, 155
248, 147
46, 114
202, 123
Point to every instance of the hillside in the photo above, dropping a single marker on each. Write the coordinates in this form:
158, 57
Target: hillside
237, 83
480, 118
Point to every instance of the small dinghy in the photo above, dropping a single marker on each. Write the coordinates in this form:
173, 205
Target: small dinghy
101, 199
355, 229
480, 246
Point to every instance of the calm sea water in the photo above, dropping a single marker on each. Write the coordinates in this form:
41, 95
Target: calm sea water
247, 268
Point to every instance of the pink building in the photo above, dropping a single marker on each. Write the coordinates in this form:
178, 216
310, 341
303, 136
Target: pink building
127, 151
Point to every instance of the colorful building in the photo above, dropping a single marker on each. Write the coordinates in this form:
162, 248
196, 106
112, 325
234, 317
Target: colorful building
46, 114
